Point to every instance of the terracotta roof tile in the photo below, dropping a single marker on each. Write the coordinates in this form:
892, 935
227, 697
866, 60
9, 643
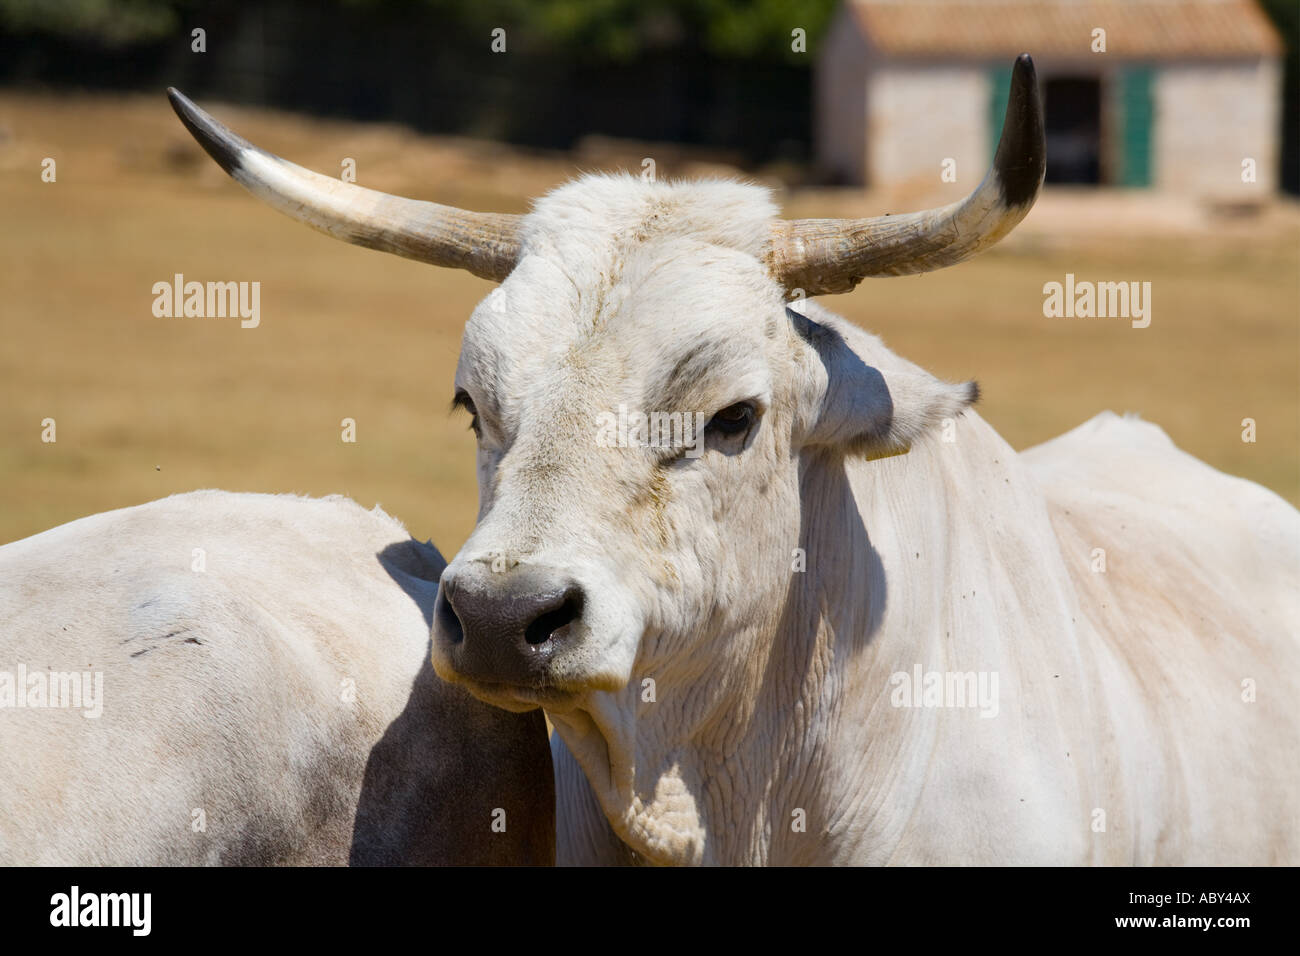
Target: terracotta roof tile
1146, 29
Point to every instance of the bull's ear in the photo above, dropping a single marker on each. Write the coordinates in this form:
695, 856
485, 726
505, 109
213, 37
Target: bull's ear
863, 410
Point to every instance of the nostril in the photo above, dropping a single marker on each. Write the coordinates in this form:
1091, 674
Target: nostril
448, 622
545, 625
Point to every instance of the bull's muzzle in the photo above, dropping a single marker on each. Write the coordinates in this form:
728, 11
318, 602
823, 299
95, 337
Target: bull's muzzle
505, 627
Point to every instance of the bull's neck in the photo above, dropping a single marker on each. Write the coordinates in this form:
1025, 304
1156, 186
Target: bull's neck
764, 759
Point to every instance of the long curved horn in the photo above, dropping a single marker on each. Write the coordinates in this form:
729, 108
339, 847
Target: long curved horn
487, 244
825, 256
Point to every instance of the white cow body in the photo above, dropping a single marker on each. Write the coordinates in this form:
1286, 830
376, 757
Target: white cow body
265, 699
1119, 691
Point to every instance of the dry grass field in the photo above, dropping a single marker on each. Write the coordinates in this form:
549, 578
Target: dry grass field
147, 407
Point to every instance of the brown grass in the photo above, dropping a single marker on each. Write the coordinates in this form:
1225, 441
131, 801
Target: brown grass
148, 407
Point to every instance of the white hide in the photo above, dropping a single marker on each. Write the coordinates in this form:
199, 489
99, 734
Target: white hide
266, 697
1120, 735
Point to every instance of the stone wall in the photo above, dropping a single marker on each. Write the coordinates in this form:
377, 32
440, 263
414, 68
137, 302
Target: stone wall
918, 116
1210, 116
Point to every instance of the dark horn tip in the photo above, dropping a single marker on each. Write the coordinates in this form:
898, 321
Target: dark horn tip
217, 141
1021, 160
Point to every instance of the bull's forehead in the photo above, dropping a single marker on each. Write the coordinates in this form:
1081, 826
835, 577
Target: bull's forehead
582, 223
651, 294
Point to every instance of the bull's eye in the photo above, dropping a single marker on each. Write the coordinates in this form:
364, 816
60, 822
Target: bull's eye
462, 400
732, 420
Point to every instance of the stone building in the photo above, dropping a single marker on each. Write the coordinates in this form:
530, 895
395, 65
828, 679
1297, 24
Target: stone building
1179, 95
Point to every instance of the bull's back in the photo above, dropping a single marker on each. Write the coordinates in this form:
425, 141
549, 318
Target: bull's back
1189, 582
265, 696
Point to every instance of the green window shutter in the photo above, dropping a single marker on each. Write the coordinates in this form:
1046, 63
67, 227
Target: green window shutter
1000, 78
1136, 112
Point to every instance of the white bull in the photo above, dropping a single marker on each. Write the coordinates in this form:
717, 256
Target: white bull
842, 621
1141, 704
244, 679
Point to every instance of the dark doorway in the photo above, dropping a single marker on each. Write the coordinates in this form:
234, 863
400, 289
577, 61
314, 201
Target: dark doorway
1072, 108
